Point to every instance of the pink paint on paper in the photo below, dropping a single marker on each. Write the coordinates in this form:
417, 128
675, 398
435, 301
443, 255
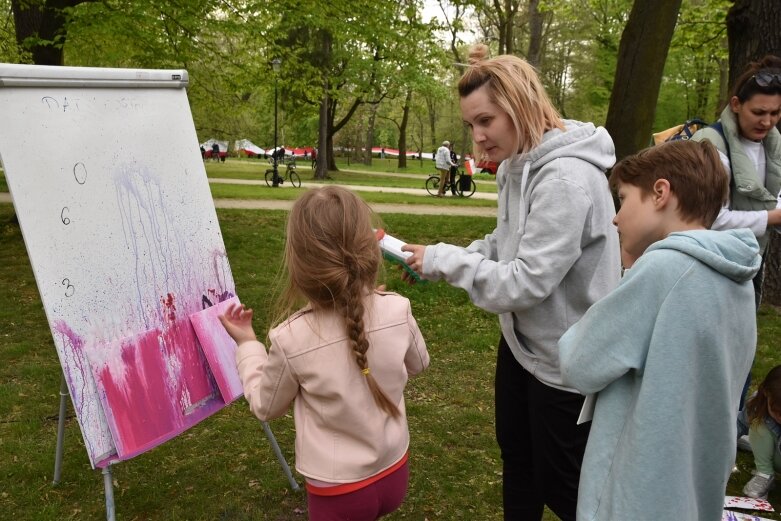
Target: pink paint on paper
153, 386
747, 503
219, 348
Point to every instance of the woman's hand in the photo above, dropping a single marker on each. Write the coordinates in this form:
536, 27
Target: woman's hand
237, 321
414, 261
774, 217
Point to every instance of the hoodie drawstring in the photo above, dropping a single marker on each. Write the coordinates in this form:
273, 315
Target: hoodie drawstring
522, 209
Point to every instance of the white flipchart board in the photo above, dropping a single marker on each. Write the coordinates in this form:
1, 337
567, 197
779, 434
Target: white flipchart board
108, 183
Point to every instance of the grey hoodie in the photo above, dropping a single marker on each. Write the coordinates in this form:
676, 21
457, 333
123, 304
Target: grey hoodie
554, 251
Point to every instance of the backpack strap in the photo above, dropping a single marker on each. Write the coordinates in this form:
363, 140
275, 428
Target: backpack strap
718, 127
723, 146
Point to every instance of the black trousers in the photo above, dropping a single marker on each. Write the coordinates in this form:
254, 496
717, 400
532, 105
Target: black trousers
541, 444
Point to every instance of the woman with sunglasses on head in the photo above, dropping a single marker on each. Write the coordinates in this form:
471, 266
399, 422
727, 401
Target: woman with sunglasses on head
553, 253
750, 148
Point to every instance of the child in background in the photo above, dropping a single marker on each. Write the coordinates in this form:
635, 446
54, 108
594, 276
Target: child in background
667, 351
343, 360
762, 419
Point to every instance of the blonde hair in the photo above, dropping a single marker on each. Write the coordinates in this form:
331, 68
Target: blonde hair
513, 85
333, 259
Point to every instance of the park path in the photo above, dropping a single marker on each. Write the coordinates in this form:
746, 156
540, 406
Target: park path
491, 196
417, 209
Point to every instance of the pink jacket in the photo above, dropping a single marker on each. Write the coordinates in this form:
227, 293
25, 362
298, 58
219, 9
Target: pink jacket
342, 436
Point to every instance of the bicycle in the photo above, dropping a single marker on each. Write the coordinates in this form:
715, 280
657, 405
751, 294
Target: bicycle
432, 185
290, 174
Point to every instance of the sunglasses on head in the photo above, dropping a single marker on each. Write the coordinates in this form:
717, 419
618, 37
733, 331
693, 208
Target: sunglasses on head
766, 78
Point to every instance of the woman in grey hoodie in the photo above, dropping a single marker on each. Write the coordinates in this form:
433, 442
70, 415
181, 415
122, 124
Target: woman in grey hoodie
553, 253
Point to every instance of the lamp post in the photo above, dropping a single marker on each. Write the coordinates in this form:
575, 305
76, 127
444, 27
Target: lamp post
275, 63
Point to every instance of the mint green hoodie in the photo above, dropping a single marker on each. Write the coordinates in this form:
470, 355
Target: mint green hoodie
668, 353
554, 251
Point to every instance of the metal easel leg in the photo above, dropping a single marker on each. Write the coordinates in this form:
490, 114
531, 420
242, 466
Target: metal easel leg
109, 487
60, 430
280, 457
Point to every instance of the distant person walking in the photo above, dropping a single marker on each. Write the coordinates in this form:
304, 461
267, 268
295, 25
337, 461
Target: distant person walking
215, 151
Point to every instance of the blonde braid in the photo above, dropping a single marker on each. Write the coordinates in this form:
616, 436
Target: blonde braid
353, 316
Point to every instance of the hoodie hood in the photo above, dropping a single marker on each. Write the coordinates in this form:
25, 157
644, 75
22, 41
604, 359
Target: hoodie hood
733, 253
579, 141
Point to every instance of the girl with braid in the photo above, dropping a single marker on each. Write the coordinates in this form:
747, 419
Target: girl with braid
343, 360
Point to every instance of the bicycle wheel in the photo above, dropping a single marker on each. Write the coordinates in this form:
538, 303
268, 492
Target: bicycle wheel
269, 178
295, 179
432, 185
467, 193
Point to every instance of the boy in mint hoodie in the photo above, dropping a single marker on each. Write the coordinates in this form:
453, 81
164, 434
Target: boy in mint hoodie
667, 352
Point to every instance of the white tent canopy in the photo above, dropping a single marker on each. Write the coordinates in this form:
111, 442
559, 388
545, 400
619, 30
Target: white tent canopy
208, 145
249, 147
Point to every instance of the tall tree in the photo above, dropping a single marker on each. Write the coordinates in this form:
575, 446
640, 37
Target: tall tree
641, 57
42, 27
534, 54
754, 30
695, 72
497, 19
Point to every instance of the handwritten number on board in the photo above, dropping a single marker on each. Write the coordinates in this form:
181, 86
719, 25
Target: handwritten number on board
69, 288
80, 173
64, 218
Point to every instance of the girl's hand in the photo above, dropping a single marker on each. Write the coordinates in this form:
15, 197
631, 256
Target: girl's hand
237, 321
414, 261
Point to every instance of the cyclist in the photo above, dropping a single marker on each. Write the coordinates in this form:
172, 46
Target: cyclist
453, 169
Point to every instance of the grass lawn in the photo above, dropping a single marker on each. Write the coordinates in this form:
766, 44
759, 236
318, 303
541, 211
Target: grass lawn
223, 468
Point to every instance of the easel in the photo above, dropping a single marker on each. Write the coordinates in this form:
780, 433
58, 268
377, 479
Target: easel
108, 484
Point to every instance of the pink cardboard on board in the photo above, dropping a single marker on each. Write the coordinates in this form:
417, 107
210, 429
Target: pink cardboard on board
219, 348
152, 386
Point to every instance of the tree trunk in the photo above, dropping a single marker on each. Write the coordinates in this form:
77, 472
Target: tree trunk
534, 56
43, 24
641, 56
370, 134
723, 87
771, 286
329, 136
403, 131
432, 119
323, 153
753, 31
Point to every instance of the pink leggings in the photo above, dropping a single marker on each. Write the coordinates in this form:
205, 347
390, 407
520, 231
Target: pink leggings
365, 504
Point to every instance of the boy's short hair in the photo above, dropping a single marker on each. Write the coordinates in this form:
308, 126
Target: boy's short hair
694, 170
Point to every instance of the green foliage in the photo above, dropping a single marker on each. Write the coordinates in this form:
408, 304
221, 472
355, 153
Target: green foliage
378, 53
224, 468
698, 55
